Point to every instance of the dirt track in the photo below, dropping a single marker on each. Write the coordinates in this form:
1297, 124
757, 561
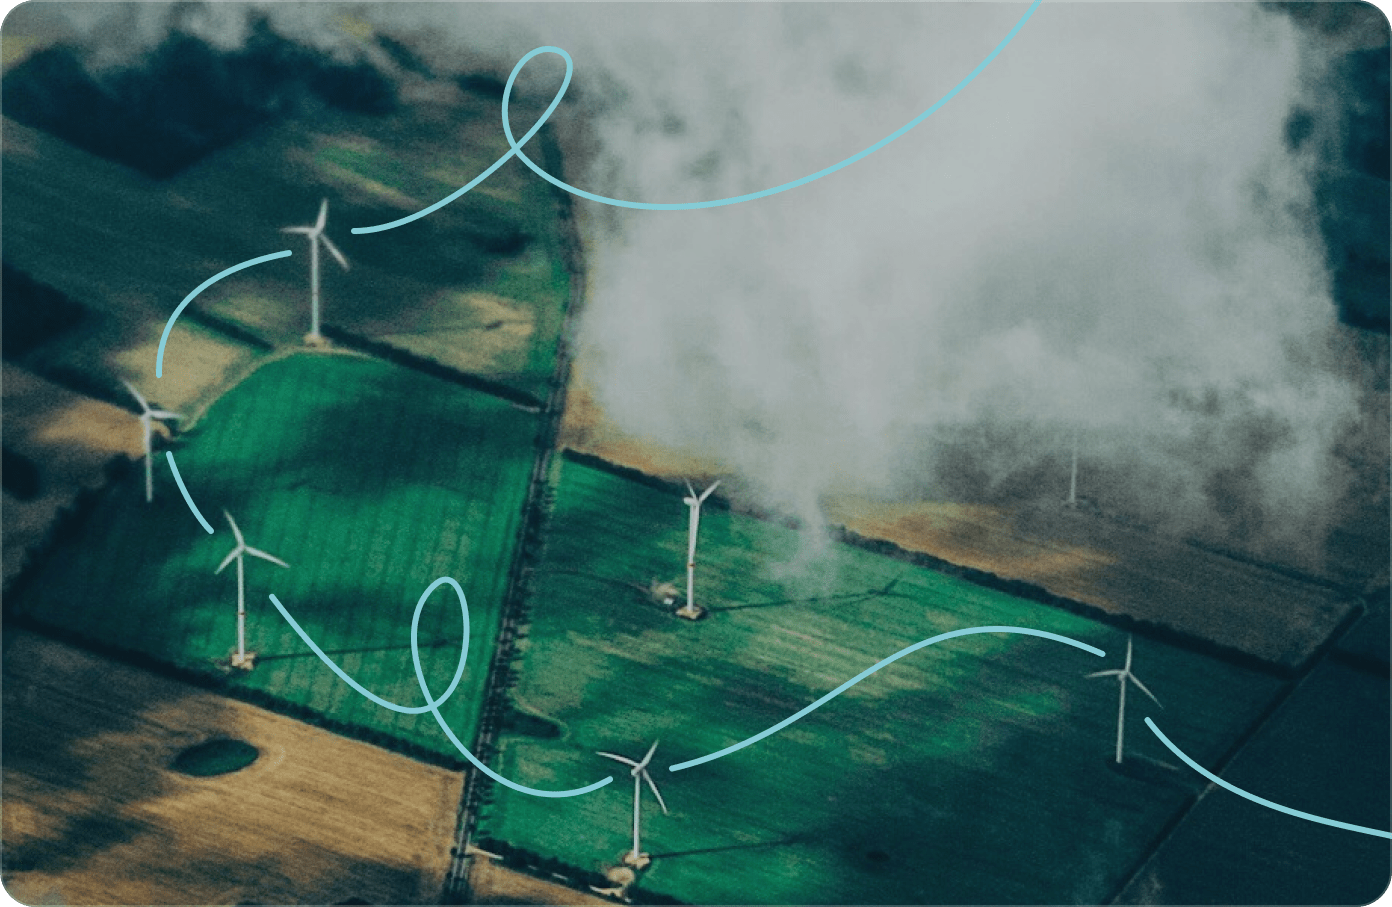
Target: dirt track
494, 884
93, 815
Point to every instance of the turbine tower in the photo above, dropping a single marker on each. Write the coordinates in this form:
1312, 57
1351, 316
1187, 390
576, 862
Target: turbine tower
1122, 675
639, 770
690, 610
147, 417
316, 237
241, 658
1073, 476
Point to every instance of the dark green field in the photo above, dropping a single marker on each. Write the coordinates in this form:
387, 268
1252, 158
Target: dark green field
371, 481
1326, 752
480, 285
973, 771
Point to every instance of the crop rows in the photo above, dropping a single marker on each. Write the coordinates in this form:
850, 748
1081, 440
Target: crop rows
974, 771
371, 482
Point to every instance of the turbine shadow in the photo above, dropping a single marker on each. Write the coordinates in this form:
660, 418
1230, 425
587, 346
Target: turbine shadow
1155, 771
644, 592
791, 839
851, 597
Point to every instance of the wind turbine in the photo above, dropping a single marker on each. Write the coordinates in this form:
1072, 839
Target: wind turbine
1073, 476
639, 771
690, 610
240, 658
147, 416
1122, 675
316, 236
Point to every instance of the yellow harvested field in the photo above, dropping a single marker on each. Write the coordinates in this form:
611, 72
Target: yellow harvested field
1143, 575
93, 814
586, 428
491, 883
983, 538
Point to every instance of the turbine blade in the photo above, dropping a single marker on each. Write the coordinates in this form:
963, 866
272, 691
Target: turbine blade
232, 555
304, 231
237, 533
1114, 673
333, 250
625, 760
323, 215
705, 494
1128, 653
1138, 683
257, 552
164, 414
136, 394
690, 492
648, 757
656, 793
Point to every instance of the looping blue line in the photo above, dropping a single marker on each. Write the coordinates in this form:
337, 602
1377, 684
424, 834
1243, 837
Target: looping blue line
179, 480
875, 667
1254, 798
169, 325
515, 147
433, 704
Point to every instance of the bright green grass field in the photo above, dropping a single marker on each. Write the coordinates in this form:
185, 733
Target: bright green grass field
973, 771
371, 481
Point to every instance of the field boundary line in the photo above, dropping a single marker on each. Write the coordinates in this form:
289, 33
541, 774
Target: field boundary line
211, 681
530, 538
1022, 589
1036, 593
1279, 700
404, 358
277, 354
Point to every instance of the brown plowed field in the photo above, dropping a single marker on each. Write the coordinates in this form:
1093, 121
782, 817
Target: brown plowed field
1142, 575
94, 815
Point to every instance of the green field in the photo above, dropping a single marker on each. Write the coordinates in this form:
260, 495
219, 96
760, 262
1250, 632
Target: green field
974, 771
371, 481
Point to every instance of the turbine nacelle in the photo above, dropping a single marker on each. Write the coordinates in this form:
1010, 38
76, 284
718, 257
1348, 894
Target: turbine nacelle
692, 500
690, 610
640, 770
243, 548
317, 238
146, 413
1124, 674
316, 234
147, 418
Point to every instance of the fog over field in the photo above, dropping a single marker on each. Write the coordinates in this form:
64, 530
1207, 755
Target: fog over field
1111, 232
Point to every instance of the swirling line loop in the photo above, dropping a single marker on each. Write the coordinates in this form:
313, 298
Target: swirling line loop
433, 703
515, 146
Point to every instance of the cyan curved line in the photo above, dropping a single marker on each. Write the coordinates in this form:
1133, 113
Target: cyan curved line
875, 667
516, 146
500, 161
1254, 798
179, 480
433, 704
169, 325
